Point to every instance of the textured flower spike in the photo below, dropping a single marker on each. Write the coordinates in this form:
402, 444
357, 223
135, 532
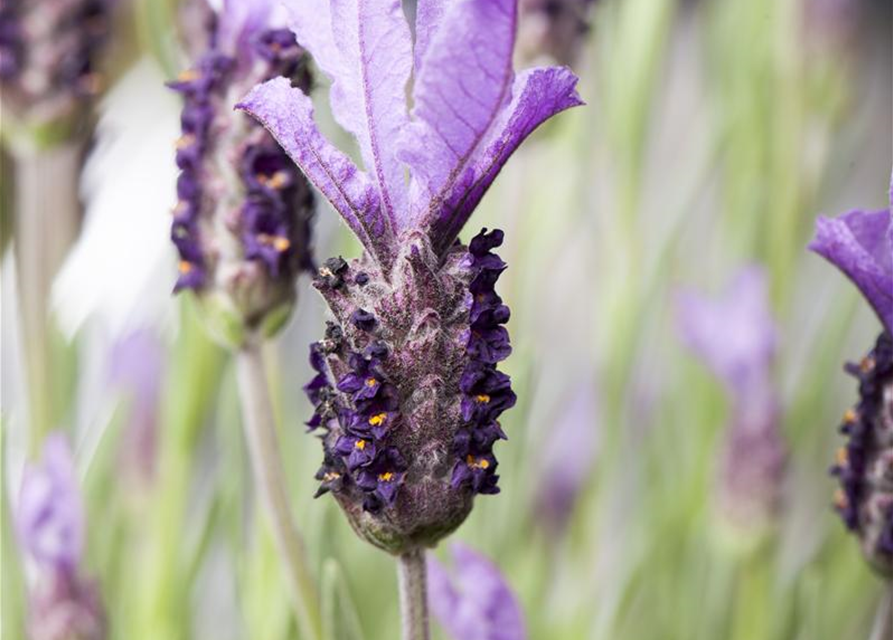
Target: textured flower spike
48, 54
861, 245
242, 223
474, 601
50, 522
407, 391
736, 338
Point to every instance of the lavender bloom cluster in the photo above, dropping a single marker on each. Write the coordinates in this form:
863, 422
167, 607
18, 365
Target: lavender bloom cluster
407, 390
735, 336
48, 56
242, 239
860, 243
63, 605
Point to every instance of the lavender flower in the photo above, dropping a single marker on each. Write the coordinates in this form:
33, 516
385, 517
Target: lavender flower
475, 602
736, 338
407, 389
48, 54
50, 522
860, 244
242, 223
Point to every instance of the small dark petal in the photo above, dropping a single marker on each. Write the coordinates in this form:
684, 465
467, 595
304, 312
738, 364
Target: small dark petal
362, 279
376, 352
482, 243
363, 320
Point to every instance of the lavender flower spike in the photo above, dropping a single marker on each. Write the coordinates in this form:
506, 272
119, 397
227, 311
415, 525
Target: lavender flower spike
736, 338
50, 523
242, 223
407, 389
474, 602
48, 71
861, 245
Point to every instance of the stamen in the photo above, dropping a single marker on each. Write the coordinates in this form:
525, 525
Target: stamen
378, 419
330, 476
188, 75
184, 267
360, 444
371, 382
387, 476
483, 398
850, 416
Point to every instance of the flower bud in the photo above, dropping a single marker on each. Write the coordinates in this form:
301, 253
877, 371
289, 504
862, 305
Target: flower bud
242, 223
864, 466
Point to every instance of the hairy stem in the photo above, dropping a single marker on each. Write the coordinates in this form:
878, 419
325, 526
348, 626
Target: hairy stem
47, 216
413, 582
260, 433
883, 623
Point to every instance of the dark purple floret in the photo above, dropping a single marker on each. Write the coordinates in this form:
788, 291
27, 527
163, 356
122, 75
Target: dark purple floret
864, 466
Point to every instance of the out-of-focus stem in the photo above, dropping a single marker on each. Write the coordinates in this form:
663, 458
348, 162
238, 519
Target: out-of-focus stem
883, 623
47, 212
413, 584
260, 433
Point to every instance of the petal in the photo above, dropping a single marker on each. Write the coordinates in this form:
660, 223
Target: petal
735, 335
429, 15
464, 79
287, 113
537, 95
860, 244
475, 603
364, 46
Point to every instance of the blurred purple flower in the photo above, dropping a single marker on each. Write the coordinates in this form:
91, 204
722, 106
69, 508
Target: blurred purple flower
860, 243
418, 319
473, 602
50, 522
135, 370
567, 458
735, 336
50, 513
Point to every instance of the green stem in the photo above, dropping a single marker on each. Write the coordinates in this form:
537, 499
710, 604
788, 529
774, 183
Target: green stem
883, 623
47, 212
413, 584
260, 433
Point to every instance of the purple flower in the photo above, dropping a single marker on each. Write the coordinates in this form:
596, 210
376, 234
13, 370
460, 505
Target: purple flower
420, 327
241, 227
736, 338
50, 514
473, 602
567, 457
48, 51
860, 243
50, 523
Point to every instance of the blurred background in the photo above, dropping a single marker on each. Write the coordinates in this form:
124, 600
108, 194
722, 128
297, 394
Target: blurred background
648, 235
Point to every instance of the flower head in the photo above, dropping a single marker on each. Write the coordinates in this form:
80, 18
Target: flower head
50, 522
735, 336
48, 52
242, 223
861, 245
474, 601
409, 364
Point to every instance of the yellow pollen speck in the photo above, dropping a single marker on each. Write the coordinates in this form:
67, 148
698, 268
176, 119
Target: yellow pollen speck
184, 266
843, 457
387, 476
361, 444
281, 244
840, 500
850, 416
371, 382
867, 364
325, 272
188, 76
378, 419
331, 475
186, 140
483, 398
477, 463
